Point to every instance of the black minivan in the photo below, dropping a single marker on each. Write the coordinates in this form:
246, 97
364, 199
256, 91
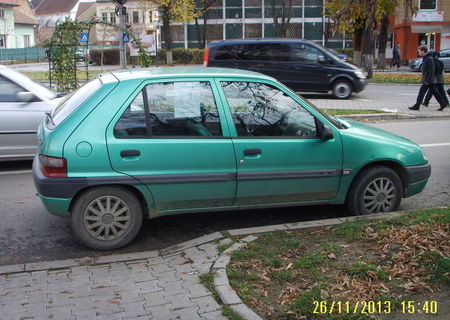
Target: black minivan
300, 64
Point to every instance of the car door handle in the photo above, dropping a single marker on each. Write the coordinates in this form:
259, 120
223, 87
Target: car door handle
130, 153
252, 152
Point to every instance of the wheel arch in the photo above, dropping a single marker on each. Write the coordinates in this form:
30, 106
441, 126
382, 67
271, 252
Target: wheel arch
127, 187
396, 167
341, 77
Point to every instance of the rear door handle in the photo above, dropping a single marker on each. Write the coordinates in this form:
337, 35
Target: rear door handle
130, 153
252, 152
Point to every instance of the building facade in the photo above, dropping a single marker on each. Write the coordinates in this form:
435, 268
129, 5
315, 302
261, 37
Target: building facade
17, 24
240, 19
429, 26
141, 18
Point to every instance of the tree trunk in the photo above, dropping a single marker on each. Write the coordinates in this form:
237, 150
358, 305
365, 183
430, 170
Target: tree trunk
205, 25
382, 43
167, 33
357, 49
197, 32
368, 52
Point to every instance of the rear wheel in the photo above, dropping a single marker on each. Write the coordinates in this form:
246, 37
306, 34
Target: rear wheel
375, 190
106, 218
342, 89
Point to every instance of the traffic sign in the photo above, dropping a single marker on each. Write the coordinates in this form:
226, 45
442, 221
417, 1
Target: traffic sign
125, 37
84, 37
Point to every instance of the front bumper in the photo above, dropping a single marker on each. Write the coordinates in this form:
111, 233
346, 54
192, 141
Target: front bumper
359, 85
417, 178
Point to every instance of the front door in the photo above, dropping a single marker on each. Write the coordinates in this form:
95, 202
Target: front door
171, 138
280, 158
19, 121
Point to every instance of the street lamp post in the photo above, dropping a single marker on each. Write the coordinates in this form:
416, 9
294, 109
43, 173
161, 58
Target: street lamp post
121, 10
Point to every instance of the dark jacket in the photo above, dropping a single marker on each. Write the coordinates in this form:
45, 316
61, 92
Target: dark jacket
428, 68
438, 68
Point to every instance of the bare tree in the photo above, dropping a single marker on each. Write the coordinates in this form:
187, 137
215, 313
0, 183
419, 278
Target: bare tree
281, 14
202, 12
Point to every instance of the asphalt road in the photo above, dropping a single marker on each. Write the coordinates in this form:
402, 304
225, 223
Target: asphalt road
29, 234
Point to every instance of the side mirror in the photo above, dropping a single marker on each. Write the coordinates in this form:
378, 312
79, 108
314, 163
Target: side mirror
324, 131
25, 97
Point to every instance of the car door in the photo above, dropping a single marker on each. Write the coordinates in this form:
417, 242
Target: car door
19, 121
306, 71
445, 58
280, 158
170, 136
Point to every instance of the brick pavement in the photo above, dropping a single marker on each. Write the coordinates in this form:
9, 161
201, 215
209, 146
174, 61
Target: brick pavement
159, 287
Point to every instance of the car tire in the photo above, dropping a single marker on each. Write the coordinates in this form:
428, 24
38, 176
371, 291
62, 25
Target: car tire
342, 89
375, 190
106, 218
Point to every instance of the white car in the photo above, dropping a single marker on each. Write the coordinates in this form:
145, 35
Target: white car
23, 103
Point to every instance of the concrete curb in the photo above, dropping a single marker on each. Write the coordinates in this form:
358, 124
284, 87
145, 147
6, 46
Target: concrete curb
393, 116
228, 296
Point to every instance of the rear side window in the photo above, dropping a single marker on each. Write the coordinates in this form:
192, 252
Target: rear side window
254, 51
171, 109
72, 101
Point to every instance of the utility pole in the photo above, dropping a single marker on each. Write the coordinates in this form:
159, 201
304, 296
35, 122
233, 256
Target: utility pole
120, 11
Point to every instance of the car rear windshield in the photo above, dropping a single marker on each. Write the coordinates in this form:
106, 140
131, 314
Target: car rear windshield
71, 102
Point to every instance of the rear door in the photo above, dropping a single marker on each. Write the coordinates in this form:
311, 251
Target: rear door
280, 158
171, 137
19, 121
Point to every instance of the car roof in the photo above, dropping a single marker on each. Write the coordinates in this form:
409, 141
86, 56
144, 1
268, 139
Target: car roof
257, 40
184, 72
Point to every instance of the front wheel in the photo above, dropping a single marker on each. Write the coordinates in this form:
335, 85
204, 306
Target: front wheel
106, 218
342, 89
375, 190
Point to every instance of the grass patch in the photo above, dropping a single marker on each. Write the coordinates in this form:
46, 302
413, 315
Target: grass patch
341, 112
207, 280
310, 260
45, 76
284, 274
352, 230
402, 78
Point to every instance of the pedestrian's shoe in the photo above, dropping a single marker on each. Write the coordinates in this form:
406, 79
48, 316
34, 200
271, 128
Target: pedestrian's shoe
425, 104
414, 107
442, 108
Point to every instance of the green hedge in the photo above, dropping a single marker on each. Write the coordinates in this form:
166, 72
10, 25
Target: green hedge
183, 56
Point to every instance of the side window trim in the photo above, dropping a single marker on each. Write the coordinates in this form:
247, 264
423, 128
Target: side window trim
229, 116
141, 89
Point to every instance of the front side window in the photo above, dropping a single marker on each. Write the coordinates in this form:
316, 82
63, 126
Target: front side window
304, 53
171, 109
259, 109
9, 90
428, 4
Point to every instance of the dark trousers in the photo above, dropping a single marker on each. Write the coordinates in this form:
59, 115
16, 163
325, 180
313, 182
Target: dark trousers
423, 90
440, 88
395, 61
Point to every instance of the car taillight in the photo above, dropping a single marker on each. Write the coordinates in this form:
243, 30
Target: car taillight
53, 167
206, 57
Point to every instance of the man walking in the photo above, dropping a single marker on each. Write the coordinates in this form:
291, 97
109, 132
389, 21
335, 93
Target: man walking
396, 56
439, 79
428, 80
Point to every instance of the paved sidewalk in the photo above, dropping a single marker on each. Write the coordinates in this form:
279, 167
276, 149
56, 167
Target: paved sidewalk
157, 285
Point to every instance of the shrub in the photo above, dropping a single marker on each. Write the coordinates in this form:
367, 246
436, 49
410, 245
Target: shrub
183, 56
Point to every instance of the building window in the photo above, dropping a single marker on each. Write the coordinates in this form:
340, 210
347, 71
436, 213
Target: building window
136, 17
2, 14
2, 40
105, 16
150, 16
26, 41
428, 5
113, 17
127, 18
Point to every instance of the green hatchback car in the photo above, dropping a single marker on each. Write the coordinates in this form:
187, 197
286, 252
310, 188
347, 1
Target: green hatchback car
140, 144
